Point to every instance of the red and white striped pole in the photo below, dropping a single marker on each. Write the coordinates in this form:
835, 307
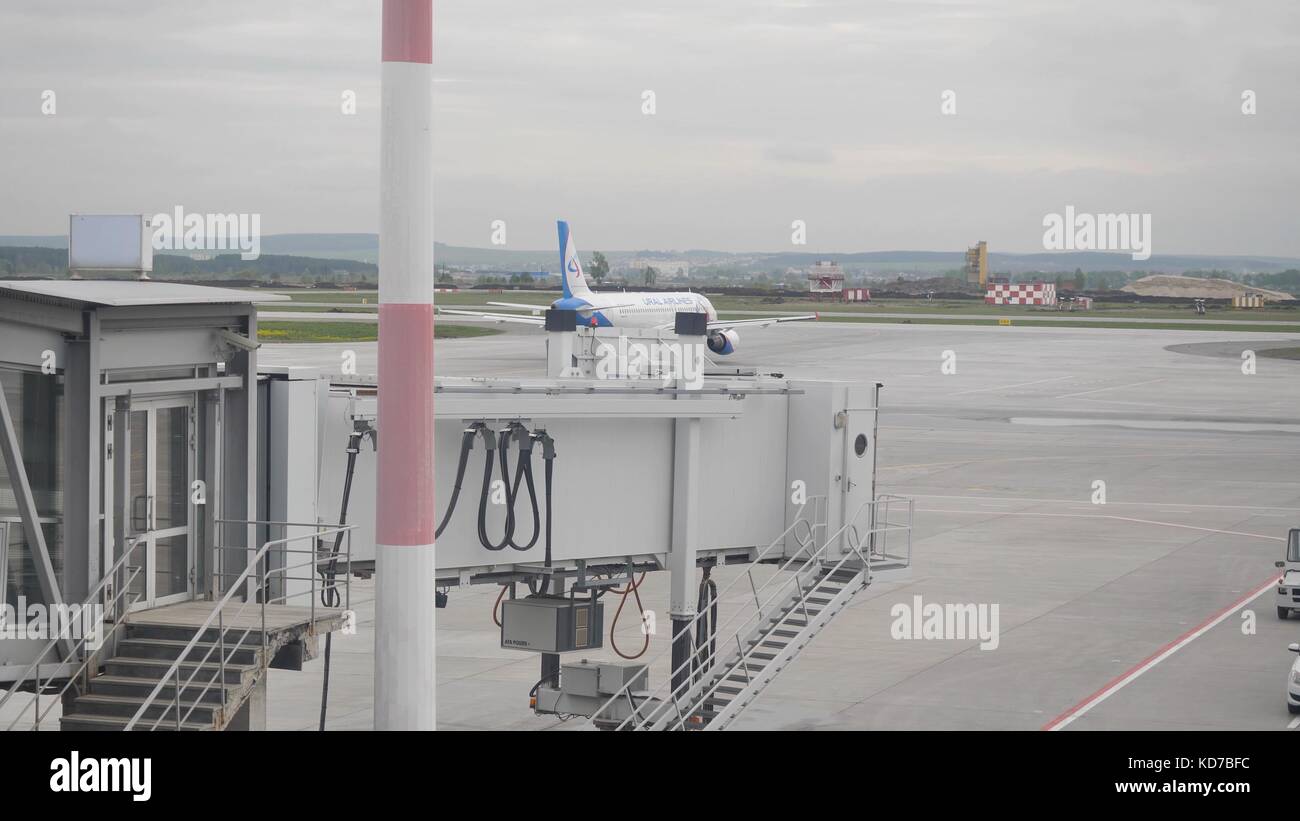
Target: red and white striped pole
404, 565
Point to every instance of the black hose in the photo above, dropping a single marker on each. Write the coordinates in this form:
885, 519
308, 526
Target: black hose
488, 467
329, 594
524, 468
466, 443
523, 473
548, 456
706, 631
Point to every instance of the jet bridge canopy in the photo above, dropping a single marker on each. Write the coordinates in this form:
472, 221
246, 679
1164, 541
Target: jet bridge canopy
116, 398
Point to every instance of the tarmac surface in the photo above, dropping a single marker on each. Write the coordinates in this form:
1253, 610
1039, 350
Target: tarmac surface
1137, 613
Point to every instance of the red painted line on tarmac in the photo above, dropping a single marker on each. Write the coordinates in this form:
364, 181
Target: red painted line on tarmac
1123, 680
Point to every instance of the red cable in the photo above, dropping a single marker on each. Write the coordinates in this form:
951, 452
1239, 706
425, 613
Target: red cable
497, 605
635, 589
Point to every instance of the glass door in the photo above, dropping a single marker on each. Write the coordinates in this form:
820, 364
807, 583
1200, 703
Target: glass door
160, 435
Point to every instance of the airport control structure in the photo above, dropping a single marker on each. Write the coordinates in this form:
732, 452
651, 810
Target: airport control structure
195, 518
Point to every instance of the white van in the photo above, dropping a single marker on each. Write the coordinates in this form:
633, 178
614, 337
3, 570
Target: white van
1288, 587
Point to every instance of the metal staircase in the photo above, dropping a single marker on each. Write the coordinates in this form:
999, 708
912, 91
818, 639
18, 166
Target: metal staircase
795, 603
196, 665
165, 675
144, 659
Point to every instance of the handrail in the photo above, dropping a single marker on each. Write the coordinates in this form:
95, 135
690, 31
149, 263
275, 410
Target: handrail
779, 540
4, 559
801, 599
759, 610
803, 545
854, 549
761, 606
218, 614
123, 590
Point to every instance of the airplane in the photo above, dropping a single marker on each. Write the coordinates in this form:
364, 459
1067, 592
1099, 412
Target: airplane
625, 309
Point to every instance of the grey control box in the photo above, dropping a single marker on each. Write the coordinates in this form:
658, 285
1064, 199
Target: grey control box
551, 624
593, 679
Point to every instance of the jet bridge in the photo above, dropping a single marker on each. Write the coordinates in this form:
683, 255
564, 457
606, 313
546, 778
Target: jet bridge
757, 450
632, 469
133, 536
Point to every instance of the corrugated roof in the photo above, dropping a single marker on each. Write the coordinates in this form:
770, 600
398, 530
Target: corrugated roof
121, 292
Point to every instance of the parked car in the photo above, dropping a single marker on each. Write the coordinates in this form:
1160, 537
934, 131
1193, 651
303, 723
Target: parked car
1288, 587
1293, 681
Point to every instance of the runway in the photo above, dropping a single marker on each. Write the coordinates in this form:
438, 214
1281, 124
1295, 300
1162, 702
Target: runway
338, 313
1198, 461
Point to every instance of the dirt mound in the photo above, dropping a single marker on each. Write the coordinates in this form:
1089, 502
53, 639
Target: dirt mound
1197, 288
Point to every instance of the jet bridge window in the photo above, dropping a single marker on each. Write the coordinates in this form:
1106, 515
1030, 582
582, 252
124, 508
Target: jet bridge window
35, 402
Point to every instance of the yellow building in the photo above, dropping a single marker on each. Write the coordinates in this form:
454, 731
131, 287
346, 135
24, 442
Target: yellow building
977, 263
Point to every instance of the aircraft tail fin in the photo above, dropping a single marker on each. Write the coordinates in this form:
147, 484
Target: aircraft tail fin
573, 280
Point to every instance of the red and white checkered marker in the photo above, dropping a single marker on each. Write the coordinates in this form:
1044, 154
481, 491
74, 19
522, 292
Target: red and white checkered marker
1021, 293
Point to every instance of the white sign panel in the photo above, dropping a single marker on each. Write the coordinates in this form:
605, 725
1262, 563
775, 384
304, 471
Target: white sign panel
114, 242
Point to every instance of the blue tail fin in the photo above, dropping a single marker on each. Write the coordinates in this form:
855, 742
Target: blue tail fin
571, 276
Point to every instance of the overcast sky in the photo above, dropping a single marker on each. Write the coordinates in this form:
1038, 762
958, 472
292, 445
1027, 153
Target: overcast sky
766, 112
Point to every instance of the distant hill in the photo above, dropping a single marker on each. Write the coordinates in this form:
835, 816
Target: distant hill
53, 262
365, 248
20, 241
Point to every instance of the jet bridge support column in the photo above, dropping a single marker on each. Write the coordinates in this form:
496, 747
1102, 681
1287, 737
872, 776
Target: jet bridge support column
685, 541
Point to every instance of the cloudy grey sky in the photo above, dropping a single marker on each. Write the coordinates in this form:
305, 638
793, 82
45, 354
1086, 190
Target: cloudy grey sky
767, 112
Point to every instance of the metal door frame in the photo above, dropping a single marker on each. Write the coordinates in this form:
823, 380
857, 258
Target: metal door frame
149, 536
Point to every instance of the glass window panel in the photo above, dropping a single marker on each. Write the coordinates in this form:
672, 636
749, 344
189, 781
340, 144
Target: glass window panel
172, 503
138, 428
172, 566
35, 402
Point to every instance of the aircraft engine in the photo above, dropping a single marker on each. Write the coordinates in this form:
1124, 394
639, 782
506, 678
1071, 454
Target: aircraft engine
724, 342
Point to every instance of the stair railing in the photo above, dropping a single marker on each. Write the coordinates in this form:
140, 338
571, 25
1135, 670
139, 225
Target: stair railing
810, 527
802, 593
117, 602
763, 607
704, 657
255, 568
879, 551
859, 547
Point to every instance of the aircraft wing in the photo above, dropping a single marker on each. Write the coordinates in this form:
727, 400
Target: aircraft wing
521, 318
536, 308
763, 322
521, 305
